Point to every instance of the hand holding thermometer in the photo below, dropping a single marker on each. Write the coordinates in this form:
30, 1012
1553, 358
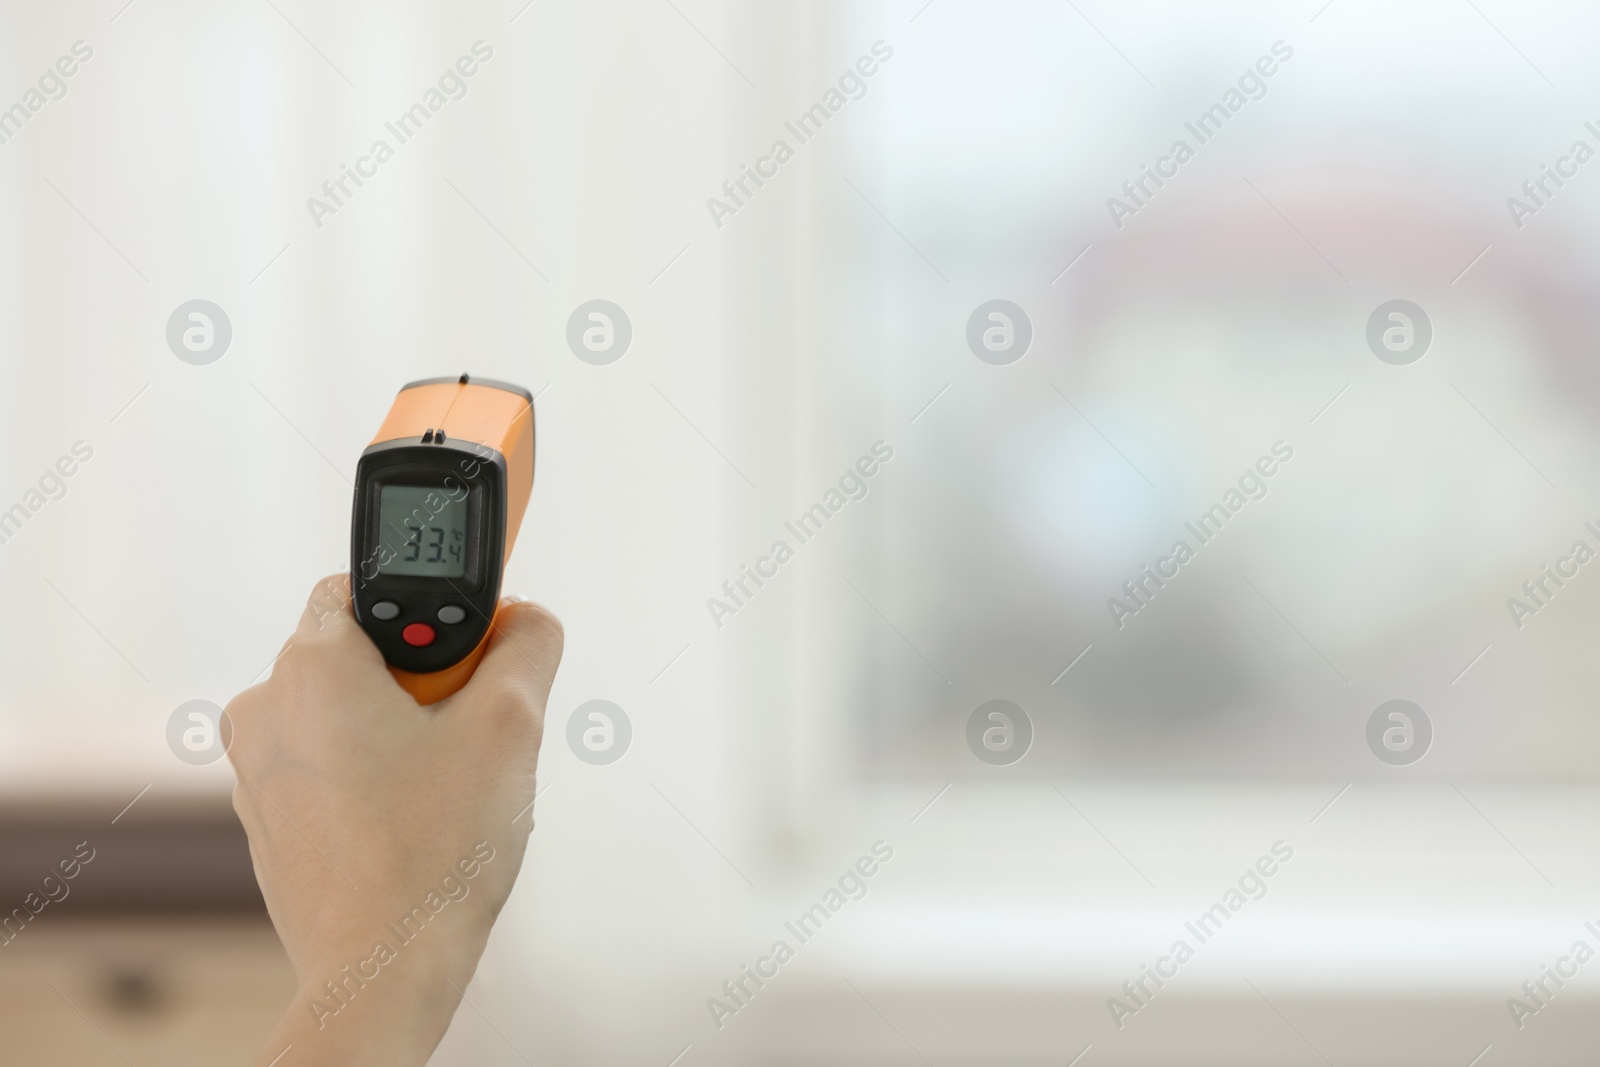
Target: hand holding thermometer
440, 494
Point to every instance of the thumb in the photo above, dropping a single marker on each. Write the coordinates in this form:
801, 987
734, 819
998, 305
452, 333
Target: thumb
525, 643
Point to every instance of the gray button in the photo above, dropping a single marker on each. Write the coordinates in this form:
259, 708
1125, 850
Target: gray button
385, 610
451, 614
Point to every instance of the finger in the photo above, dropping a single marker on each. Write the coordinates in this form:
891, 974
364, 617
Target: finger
524, 650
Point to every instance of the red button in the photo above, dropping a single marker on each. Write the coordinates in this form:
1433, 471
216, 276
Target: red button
418, 635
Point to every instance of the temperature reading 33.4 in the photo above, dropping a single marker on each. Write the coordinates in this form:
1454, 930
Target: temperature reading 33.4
425, 531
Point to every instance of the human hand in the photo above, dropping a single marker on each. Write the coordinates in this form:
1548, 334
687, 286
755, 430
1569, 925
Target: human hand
386, 836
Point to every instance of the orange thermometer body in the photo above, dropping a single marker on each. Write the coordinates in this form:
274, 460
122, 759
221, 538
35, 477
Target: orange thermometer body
440, 495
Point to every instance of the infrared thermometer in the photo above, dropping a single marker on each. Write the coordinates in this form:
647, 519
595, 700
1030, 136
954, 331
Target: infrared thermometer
440, 494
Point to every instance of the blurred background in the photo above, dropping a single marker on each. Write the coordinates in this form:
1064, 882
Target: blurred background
171, 503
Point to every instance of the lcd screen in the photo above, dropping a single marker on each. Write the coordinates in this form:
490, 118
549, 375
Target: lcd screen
424, 531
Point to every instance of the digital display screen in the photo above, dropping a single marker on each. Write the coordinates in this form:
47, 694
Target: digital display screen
422, 531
